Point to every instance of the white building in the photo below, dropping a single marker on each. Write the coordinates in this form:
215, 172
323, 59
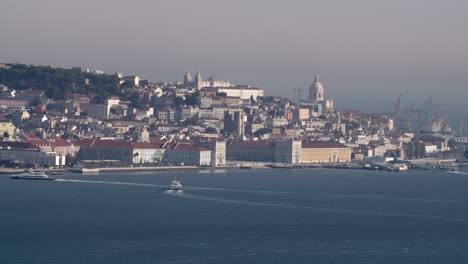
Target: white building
288, 151
218, 150
101, 111
242, 91
188, 155
126, 152
31, 156
430, 148
133, 79
276, 122
198, 82
317, 98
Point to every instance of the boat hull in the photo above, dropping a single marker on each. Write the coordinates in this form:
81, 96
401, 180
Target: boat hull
31, 178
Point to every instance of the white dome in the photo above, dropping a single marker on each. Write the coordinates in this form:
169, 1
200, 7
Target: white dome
316, 90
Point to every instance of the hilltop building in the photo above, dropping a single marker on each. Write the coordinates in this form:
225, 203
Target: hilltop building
198, 82
317, 101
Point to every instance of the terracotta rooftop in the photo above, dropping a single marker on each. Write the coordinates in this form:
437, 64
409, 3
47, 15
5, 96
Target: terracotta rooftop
189, 147
105, 143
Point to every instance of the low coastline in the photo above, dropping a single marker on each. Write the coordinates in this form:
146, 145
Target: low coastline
234, 165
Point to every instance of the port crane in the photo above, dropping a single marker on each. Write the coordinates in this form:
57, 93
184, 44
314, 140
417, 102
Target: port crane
298, 95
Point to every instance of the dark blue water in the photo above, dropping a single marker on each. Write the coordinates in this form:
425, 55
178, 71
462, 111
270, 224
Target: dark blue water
237, 216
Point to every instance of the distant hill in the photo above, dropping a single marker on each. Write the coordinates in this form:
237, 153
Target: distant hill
58, 82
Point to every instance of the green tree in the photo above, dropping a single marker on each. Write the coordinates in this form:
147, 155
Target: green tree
58, 82
452, 143
35, 101
261, 132
178, 101
409, 150
211, 130
398, 152
417, 150
267, 99
192, 99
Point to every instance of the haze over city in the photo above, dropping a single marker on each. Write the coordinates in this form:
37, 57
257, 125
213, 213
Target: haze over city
361, 49
215, 131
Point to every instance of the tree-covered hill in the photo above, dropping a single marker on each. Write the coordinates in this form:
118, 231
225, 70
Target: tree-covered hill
58, 82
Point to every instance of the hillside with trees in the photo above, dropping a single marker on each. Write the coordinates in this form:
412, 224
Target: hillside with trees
58, 82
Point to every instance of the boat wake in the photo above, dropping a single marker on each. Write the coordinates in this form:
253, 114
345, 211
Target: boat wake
318, 209
458, 172
182, 194
115, 183
371, 197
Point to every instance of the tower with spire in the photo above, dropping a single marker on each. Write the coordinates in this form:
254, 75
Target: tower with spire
198, 80
187, 77
195, 82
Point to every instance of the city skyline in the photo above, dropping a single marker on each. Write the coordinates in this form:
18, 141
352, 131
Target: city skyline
376, 49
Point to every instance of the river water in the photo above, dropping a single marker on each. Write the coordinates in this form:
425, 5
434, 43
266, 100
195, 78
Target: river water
237, 216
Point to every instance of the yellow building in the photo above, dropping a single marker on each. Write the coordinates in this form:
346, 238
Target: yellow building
302, 113
313, 152
7, 126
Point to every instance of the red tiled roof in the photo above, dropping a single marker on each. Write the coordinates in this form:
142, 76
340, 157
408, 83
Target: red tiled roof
139, 145
189, 147
82, 142
101, 143
37, 141
323, 145
58, 142
30, 135
156, 141
18, 145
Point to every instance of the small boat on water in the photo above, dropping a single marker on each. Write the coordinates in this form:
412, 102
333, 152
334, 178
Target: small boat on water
453, 168
32, 175
175, 185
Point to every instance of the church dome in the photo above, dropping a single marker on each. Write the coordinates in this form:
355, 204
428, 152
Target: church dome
316, 90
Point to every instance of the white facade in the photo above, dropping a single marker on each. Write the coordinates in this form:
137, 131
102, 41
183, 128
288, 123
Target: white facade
288, 151
214, 83
276, 122
147, 155
430, 148
244, 92
188, 157
41, 158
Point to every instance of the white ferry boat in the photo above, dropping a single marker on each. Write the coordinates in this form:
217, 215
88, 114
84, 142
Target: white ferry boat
32, 175
175, 185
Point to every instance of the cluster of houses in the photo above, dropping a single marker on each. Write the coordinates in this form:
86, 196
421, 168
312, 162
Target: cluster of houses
198, 122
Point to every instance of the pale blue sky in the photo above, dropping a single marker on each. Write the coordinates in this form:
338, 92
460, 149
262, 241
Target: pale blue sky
366, 51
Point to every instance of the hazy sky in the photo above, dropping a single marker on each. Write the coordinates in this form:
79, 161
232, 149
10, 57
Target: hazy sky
366, 51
